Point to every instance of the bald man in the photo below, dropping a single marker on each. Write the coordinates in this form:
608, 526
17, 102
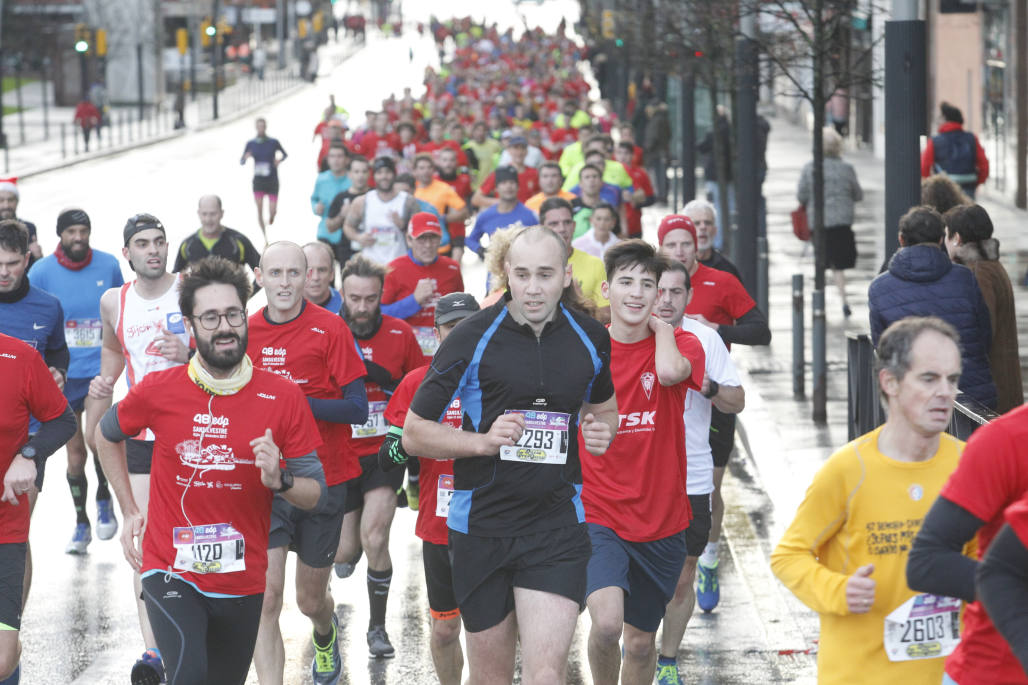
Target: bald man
213, 238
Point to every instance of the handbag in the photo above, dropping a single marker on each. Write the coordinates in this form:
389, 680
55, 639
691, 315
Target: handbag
800, 227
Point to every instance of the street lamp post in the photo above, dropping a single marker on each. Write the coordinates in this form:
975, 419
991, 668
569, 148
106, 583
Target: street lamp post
212, 31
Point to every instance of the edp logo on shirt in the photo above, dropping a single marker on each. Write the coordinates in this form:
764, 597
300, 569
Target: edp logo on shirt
174, 323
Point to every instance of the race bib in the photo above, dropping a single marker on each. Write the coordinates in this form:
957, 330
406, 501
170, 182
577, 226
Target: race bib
262, 168
385, 237
545, 440
924, 627
376, 423
83, 332
443, 494
214, 548
427, 339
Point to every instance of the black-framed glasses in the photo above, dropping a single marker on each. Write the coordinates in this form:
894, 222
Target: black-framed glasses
210, 321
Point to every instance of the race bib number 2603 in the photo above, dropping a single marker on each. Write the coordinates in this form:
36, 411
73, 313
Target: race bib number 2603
924, 627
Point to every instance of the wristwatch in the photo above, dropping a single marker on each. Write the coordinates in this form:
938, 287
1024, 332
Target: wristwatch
712, 389
287, 481
28, 451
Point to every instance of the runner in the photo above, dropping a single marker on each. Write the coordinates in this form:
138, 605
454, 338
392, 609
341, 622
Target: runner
720, 302
506, 212
1001, 582
440, 195
215, 239
483, 152
587, 271
633, 493
315, 350
643, 195
704, 218
359, 173
142, 332
415, 282
603, 231
845, 553
9, 198
264, 151
377, 220
390, 352
590, 193
721, 389
434, 504
524, 370
321, 265
328, 185
527, 177
29, 390
550, 180
460, 181
222, 430
78, 276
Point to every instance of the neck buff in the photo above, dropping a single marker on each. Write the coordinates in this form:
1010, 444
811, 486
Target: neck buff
220, 386
21, 291
65, 261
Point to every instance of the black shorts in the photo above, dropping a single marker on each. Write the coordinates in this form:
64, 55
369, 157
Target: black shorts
202, 639
648, 572
840, 247
75, 391
371, 477
265, 184
486, 570
313, 535
139, 454
722, 436
442, 603
12, 578
697, 535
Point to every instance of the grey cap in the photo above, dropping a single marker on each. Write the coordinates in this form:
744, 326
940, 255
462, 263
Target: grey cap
454, 307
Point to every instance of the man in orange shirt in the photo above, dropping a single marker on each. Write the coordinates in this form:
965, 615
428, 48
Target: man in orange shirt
443, 197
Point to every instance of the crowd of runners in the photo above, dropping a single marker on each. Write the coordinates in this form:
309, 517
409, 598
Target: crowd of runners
562, 435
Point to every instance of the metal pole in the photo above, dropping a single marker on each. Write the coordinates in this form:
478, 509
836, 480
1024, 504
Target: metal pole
140, 86
1021, 93
64, 143
820, 370
3, 136
17, 97
762, 276
214, 61
747, 187
798, 363
688, 155
280, 33
46, 111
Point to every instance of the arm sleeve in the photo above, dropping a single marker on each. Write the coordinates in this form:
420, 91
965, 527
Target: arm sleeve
603, 382
403, 308
936, 562
444, 377
180, 258
53, 434
750, 329
58, 357
352, 407
471, 241
110, 426
250, 255
1002, 583
795, 560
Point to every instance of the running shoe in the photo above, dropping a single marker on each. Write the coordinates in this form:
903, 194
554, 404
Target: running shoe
328, 664
80, 540
667, 674
378, 643
14, 678
148, 670
413, 492
106, 521
345, 569
708, 590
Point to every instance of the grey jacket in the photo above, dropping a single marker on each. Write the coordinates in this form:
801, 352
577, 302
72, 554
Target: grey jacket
842, 189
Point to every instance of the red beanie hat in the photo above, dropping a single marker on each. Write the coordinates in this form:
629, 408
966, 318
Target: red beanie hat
673, 222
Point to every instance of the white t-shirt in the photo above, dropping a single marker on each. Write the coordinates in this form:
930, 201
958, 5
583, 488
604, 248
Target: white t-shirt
587, 242
719, 367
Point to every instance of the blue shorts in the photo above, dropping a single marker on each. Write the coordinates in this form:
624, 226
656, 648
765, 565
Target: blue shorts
647, 571
75, 390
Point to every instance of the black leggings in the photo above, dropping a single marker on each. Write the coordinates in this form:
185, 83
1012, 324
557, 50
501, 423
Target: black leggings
203, 640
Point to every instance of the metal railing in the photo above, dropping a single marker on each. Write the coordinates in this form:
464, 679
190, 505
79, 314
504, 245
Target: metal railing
864, 408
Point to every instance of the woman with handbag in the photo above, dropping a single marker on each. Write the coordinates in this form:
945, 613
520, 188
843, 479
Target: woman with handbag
842, 190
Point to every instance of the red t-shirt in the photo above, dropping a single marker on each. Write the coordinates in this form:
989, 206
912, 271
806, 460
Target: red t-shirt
633, 215
718, 296
637, 487
373, 145
403, 276
29, 390
992, 475
436, 474
395, 349
317, 352
430, 147
203, 481
528, 184
1017, 517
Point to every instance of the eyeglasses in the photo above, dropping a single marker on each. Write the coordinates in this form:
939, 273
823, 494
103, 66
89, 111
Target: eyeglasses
211, 321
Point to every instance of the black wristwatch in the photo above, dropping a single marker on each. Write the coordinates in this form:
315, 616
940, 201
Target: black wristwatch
287, 481
712, 389
28, 451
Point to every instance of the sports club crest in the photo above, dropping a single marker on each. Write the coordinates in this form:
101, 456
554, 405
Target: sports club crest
647, 380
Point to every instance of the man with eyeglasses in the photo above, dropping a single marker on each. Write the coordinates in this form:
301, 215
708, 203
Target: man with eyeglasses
222, 431
143, 332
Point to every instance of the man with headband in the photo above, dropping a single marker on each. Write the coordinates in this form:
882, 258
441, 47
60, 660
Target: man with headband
143, 332
78, 276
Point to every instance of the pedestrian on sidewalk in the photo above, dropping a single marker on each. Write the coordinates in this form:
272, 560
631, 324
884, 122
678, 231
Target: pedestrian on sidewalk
87, 116
955, 152
716, 148
939, 192
969, 242
845, 553
656, 140
841, 191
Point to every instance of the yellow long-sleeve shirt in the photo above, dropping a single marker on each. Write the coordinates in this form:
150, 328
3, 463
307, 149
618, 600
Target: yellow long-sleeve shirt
862, 508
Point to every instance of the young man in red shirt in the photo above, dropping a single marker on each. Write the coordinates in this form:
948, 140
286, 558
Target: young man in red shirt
434, 500
721, 302
528, 177
390, 352
642, 195
228, 437
633, 493
417, 280
313, 348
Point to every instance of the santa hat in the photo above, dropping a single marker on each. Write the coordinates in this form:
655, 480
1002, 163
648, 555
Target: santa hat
9, 185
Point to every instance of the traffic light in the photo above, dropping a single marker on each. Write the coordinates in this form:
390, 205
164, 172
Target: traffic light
101, 42
318, 22
301, 28
182, 41
207, 31
82, 38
